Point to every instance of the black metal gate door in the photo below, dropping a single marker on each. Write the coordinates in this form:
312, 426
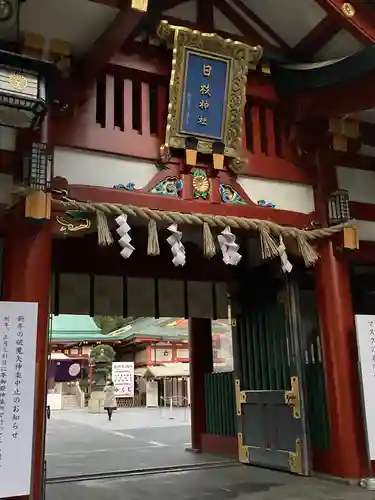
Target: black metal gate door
267, 361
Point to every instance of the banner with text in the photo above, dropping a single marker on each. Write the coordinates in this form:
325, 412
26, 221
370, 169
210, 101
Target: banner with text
123, 378
17, 387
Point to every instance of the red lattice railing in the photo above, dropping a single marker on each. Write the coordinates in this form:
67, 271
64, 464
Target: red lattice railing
126, 116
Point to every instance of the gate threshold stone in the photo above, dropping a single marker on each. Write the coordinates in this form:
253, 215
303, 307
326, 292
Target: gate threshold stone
142, 471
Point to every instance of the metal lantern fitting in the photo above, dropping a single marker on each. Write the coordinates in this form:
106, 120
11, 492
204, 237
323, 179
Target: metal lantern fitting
23, 92
338, 207
37, 167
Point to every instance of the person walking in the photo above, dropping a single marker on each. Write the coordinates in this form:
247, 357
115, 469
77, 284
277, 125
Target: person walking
110, 403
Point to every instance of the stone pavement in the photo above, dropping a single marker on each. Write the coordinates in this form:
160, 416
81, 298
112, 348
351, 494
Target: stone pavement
230, 483
82, 443
126, 418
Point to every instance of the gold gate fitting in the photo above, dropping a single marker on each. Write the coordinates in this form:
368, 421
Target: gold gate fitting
295, 459
240, 397
292, 397
243, 451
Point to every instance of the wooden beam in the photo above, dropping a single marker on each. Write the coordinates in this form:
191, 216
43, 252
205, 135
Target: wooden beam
317, 38
359, 24
87, 68
169, 4
367, 133
252, 211
338, 100
205, 15
365, 9
362, 211
262, 25
353, 160
239, 22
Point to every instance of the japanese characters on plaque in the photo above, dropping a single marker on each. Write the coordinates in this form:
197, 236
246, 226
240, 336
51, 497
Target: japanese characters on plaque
123, 378
205, 96
17, 379
207, 92
365, 331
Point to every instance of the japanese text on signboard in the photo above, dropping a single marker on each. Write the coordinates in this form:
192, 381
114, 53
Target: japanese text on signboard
17, 378
123, 379
204, 96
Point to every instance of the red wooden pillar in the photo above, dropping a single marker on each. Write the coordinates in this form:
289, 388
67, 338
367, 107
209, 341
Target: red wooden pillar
27, 277
346, 457
201, 362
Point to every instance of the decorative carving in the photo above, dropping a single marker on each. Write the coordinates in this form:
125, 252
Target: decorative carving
229, 195
201, 184
72, 222
239, 55
239, 165
264, 203
348, 9
169, 186
18, 81
165, 154
130, 186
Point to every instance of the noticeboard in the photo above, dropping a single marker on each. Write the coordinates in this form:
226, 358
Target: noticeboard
123, 378
17, 389
365, 330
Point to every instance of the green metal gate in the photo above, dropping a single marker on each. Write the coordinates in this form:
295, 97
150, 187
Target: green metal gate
220, 404
268, 361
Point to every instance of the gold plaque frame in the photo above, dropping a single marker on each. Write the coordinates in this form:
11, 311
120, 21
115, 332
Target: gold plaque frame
242, 56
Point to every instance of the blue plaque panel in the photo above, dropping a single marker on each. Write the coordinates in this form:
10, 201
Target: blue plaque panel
204, 96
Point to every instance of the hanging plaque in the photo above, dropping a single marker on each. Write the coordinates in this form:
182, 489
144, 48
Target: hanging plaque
207, 91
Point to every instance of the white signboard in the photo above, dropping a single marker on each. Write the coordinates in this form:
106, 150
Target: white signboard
123, 378
365, 327
18, 327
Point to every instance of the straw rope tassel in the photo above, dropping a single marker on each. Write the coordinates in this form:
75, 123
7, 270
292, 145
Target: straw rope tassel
308, 253
104, 234
268, 244
153, 248
209, 247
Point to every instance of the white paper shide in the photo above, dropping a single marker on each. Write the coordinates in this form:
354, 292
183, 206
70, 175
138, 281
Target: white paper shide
365, 329
286, 265
177, 247
229, 247
123, 378
17, 385
125, 239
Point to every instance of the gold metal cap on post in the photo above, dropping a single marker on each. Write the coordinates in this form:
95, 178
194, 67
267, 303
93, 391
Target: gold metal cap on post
340, 143
33, 45
218, 155
140, 5
191, 151
350, 238
343, 130
38, 205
